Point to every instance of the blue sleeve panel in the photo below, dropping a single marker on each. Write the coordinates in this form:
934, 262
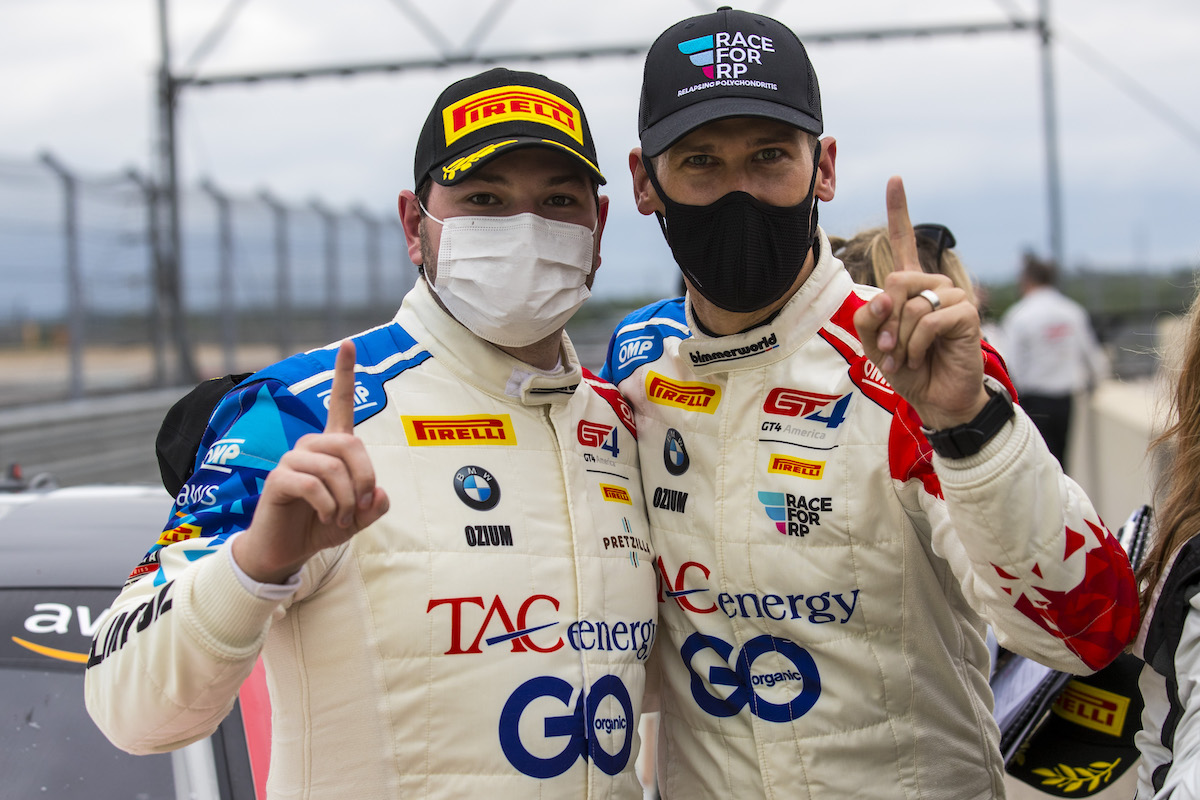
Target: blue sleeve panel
640, 336
260, 420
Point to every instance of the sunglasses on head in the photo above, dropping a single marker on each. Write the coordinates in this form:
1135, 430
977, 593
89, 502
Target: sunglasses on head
940, 235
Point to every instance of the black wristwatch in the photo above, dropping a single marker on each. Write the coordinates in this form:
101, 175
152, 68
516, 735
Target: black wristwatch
970, 437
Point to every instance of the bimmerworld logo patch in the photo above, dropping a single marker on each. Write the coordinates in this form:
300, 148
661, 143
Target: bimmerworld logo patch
510, 104
471, 429
688, 395
724, 55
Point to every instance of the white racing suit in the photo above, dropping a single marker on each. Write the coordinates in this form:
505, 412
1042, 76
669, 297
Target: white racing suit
825, 581
486, 638
1169, 643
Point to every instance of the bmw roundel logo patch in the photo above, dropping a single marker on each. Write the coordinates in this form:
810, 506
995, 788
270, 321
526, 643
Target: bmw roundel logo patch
675, 457
477, 487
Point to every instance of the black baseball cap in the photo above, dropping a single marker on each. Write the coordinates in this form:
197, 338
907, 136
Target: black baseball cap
495, 112
725, 64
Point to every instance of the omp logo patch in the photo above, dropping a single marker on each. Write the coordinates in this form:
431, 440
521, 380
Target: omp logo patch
690, 396
459, 430
509, 104
637, 348
221, 453
616, 494
874, 376
466, 162
362, 397
1092, 708
801, 468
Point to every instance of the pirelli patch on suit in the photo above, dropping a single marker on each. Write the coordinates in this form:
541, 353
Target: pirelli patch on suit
469, 429
688, 395
508, 104
616, 494
801, 468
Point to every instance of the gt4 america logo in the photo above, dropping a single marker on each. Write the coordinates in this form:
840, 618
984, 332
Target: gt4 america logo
597, 434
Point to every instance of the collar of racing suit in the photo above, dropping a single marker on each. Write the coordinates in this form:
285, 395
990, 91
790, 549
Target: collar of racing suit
817, 299
482, 364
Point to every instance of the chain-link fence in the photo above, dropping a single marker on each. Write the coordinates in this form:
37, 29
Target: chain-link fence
82, 312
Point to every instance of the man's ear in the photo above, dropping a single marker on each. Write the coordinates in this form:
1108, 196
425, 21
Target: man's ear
410, 220
827, 175
601, 219
644, 196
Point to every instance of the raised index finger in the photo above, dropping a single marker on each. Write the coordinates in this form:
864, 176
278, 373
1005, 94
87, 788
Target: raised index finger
341, 395
900, 229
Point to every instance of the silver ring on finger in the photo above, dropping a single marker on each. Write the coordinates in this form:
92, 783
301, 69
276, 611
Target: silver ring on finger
931, 296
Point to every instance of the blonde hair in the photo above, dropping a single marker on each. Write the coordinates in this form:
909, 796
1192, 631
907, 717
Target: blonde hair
1177, 518
868, 258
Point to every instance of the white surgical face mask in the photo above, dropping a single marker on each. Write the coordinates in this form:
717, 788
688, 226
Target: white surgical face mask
512, 280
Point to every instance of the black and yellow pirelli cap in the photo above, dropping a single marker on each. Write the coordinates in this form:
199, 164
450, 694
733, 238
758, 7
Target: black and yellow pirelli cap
495, 112
1086, 741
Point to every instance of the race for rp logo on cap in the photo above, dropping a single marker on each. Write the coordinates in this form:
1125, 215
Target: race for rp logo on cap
726, 55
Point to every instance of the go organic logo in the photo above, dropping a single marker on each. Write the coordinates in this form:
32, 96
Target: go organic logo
801, 673
601, 717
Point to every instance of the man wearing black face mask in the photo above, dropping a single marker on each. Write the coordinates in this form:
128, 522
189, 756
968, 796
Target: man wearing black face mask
846, 495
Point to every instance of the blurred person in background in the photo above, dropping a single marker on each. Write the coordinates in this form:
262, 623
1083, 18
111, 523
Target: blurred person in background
846, 495
487, 636
1051, 351
1169, 639
868, 256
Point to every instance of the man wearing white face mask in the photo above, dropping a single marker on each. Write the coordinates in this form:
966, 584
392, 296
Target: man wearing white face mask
486, 636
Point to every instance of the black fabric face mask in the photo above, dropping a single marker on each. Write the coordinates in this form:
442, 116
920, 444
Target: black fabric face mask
740, 253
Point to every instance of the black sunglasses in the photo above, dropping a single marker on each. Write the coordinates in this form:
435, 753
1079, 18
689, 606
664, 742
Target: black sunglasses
940, 235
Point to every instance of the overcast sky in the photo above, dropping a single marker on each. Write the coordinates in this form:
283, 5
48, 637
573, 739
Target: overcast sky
959, 118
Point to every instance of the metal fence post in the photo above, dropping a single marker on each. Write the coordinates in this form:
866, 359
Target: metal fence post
375, 297
158, 307
333, 322
75, 307
283, 282
225, 299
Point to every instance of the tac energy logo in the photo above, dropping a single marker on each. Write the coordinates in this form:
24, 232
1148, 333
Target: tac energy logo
724, 55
